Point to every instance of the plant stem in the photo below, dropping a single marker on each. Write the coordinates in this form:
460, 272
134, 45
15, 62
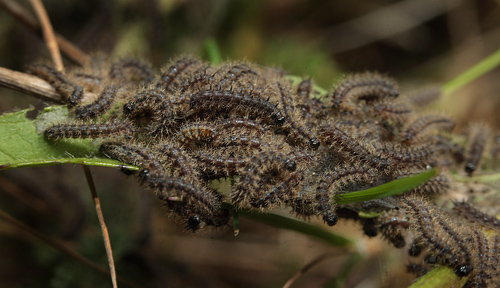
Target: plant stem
104, 229
48, 33
476, 71
62, 247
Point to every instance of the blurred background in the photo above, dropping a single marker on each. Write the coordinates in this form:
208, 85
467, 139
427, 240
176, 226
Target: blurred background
418, 42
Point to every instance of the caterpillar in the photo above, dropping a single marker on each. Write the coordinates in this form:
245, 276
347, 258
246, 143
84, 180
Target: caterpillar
72, 93
132, 71
383, 155
425, 96
168, 79
220, 165
479, 136
465, 209
219, 102
299, 129
260, 168
131, 154
99, 106
199, 201
93, 130
280, 193
235, 72
445, 240
240, 123
363, 86
196, 135
417, 127
385, 109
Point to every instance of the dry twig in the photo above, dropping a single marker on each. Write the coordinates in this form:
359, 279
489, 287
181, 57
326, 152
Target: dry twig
48, 33
33, 85
29, 84
63, 248
27, 198
24, 17
308, 267
104, 229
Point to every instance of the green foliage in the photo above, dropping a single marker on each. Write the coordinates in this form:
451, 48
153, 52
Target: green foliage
481, 68
23, 145
442, 277
389, 189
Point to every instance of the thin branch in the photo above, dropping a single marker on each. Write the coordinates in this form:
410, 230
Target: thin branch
29, 84
104, 229
384, 23
48, 34
26, 198
308, 267
25, 17
33, 85
58, 245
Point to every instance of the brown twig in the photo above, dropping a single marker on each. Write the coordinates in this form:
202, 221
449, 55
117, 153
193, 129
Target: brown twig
23, 16
104, 229
308, 266
385, 22
58, 245
27, 198
33, 85
29, 84
48, 33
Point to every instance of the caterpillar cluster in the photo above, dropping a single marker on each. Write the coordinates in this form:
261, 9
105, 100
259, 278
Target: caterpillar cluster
458, 238
277, 143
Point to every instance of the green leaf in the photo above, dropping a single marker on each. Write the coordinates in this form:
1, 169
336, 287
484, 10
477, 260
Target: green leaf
440, 277
22, 143
389, 189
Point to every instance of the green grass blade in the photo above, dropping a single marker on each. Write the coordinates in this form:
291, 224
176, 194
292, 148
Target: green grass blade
389, 189
476, 71
212, 50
